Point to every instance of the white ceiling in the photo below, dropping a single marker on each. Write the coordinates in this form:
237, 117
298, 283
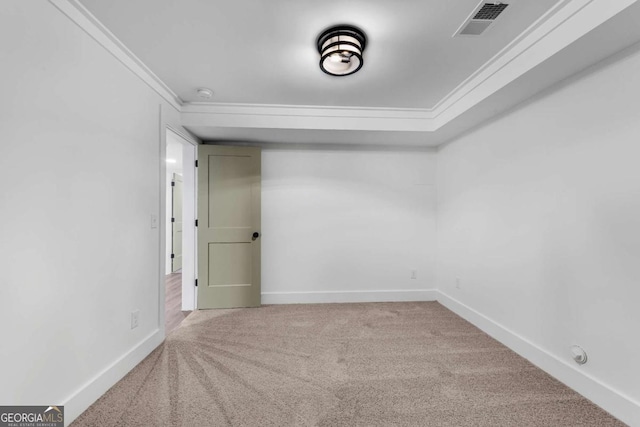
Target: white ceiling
419, 85
264, 52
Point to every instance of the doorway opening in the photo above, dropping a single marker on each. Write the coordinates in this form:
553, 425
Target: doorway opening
180, 230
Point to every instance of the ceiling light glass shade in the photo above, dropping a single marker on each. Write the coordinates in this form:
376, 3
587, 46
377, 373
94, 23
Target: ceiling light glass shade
340, 49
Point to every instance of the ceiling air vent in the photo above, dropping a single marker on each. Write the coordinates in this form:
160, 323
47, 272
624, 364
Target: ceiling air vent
481, 19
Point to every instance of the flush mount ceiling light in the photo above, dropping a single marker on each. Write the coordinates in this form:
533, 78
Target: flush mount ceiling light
340, 49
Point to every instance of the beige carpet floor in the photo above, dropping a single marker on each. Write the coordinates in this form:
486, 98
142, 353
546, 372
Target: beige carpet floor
377, 364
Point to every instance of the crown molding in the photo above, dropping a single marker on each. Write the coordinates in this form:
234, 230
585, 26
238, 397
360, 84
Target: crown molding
306, 110
305, 117
562, 25
84, 19
503, 58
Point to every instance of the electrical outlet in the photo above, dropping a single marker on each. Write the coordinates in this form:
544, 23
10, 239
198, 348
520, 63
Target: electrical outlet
154, 221
135, 319
414, 274
457, 283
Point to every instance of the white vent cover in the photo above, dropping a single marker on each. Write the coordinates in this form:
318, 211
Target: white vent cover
482, 17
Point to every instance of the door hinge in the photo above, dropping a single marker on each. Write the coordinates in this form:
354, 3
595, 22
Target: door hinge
173, 183
196, 163
196, 283
196, 222
173, 220
173, 256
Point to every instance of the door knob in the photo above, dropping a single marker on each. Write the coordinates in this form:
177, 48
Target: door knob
255, 235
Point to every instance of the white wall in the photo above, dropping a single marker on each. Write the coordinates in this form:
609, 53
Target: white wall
78, 253
355, 221
539, 218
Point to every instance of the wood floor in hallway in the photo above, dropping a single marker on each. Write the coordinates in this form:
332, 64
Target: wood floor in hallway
173, 313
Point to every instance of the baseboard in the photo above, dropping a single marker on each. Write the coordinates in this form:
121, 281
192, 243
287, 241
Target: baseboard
616, 403
349, 296
84, 397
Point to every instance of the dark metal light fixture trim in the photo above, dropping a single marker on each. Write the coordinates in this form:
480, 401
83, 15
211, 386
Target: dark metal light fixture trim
340, 49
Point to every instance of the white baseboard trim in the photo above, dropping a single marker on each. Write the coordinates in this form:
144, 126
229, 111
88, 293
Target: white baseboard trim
616, 403
349, 296
87, 394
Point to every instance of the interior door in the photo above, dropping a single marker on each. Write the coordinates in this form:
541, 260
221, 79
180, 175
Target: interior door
228, 226
176, 223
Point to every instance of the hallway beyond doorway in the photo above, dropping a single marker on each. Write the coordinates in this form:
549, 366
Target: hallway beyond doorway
173, 302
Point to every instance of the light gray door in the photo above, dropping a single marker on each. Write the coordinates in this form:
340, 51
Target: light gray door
176, 223
228, 226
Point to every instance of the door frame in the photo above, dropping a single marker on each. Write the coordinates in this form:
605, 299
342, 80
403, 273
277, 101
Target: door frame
189, 181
